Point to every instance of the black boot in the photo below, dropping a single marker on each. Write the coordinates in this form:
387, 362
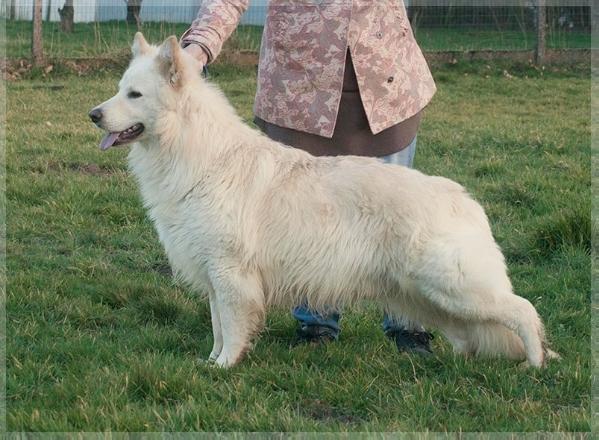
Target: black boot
411, 341
314, 334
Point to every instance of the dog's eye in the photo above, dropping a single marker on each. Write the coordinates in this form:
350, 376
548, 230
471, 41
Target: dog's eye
133, 94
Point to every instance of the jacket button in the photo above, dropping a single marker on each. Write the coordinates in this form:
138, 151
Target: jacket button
379, 35
390, 79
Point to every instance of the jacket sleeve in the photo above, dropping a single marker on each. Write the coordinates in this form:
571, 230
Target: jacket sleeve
216, 21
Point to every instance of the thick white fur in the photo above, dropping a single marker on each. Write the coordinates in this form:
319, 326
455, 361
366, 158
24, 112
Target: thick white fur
255, 224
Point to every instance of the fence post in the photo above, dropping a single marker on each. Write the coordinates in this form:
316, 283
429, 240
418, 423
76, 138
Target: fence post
37, 51
67, 14
541, 32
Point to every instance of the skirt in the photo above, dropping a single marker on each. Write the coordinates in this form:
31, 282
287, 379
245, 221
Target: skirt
352, 135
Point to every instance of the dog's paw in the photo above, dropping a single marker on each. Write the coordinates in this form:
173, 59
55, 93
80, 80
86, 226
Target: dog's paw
222, 362
550, 355
524, 365
205, 362
226, 360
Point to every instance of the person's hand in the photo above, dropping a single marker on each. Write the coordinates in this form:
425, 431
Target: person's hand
198, 54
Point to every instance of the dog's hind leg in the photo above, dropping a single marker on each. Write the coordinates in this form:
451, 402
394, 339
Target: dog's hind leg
487, 310
240, 305
465, 277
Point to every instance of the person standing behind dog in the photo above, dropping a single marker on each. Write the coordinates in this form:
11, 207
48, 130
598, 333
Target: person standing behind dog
343, 77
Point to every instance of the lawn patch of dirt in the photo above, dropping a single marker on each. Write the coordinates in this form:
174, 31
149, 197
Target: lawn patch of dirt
322, 411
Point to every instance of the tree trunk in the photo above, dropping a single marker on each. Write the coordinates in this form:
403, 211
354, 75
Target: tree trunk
48, 10
13, 10
67, 14
133, 12
37, 50
541, 32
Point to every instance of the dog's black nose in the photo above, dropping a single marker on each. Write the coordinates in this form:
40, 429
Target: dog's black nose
95, 115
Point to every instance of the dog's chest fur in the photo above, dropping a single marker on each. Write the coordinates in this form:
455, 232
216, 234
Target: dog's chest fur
182, 223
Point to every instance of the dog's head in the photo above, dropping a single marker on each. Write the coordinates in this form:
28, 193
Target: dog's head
147, 89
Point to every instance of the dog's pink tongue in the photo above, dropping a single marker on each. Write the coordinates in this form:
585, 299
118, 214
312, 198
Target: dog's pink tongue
108, 141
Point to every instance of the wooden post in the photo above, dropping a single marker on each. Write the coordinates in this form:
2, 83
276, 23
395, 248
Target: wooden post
13, 10
37, 50
541, 32
48, 10
67, 14
133, 12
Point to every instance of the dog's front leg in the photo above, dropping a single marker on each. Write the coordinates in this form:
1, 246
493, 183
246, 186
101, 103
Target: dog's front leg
240, 304
216, 329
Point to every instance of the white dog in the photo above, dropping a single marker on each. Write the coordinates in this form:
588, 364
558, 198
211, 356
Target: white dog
255, 224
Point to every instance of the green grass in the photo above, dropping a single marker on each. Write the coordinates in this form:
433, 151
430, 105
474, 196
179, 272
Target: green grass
595, 253
106, 38
459, 39
103, 39
99, 338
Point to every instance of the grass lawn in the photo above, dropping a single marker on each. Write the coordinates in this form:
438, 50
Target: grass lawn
99, 338
442, 39
102, 39
595, 253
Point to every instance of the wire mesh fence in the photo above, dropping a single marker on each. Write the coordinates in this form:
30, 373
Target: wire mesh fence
444, 27
105, 27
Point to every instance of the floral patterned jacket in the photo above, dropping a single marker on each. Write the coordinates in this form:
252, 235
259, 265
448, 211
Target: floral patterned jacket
302, 58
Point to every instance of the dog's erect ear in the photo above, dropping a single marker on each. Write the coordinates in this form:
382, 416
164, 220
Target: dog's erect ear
140, 45
170, 59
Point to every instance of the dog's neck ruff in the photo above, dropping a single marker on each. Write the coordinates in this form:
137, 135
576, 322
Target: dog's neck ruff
197, 131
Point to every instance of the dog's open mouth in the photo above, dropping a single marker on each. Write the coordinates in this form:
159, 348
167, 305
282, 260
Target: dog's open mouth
115, 138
